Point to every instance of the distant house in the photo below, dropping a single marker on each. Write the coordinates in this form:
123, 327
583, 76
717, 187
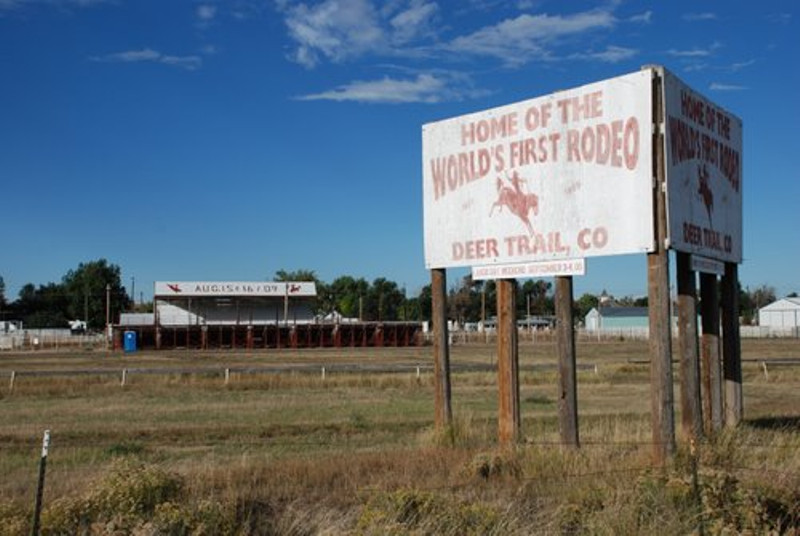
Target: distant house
782, 314
616, 318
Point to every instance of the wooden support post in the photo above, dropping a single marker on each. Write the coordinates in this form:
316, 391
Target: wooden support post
568, 396
441, 350
508, 362
732, 346
662, 397
712, 368
37, 507
691, 409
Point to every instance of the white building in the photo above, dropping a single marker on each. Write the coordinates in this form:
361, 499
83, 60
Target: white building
781, 314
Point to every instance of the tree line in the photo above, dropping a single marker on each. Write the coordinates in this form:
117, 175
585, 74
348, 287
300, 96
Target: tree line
81, 295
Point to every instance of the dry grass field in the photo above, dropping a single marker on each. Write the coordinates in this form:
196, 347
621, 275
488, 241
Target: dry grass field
354, 452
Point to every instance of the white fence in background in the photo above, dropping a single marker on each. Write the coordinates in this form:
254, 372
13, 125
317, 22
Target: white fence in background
50, 339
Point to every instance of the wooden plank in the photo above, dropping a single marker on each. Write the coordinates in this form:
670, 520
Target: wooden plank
661, 396
568, 385
732, 346
509, 420
691, 410
441, 351
712, 368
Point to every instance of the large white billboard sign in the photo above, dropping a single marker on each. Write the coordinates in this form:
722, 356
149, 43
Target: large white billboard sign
561, 176
704, 174
234, 288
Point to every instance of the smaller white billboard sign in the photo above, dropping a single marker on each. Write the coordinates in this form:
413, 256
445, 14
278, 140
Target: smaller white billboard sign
234, 288
703, 148
530, 269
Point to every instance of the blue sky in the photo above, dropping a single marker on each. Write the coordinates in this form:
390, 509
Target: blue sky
226, 140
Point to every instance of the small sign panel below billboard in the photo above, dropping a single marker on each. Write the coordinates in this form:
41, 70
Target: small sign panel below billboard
704, 265
530, 269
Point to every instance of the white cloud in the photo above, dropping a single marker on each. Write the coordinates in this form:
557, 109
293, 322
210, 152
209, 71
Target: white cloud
425, 88
343, 30
524, 38
334, 29
696, 52
189, 63
413, 21
697, 17
717, 86
779, 18
206, 12
612, 54
735, 67
643, 18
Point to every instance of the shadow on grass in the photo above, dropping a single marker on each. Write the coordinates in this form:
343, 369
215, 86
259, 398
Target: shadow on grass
789, 423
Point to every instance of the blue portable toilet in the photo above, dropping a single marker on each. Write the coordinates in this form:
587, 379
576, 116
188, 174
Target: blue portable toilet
129, 343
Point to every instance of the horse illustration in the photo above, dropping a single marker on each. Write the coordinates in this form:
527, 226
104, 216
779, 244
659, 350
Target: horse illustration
518, 202
705, 191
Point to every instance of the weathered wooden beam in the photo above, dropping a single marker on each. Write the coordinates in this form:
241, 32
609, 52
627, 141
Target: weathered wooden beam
441, 351
712, 368
662, 397
567, 378
509, 420
691, 409
732, 346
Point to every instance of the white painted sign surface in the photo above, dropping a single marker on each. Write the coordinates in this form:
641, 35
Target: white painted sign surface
704, 174
234, 288
561, 176
530, 269
706, 265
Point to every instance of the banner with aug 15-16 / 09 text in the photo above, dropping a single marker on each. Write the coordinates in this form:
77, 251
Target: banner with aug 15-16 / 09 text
562, 176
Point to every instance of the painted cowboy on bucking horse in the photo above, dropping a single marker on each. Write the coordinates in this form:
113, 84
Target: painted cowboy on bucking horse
518, 202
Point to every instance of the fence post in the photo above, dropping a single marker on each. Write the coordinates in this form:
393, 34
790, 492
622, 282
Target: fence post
124, 377
13, 379
37, 508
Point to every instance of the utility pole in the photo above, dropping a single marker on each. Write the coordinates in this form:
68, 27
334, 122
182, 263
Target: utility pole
108, 311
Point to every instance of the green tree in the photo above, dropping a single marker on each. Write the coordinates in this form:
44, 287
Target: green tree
348, 295
422, 304
384, 300
85, 288
541, 298
584, 304
42, 307
2, 293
